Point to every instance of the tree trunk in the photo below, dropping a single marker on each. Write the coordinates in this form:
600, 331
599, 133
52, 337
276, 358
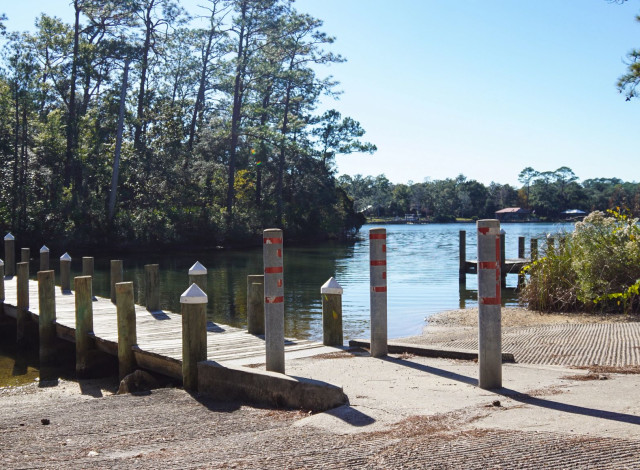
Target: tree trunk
116, 158
73, 172
138, 138
281, 159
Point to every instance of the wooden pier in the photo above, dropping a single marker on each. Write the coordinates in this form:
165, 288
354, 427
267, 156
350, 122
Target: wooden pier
159, 333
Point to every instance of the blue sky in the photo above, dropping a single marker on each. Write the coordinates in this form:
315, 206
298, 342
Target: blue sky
483, 88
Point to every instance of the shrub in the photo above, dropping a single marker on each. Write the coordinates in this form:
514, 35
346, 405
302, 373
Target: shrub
597, 267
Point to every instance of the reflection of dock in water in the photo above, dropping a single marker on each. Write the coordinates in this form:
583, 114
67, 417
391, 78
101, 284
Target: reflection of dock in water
509, 295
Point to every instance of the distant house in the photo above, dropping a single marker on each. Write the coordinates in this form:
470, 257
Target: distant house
513, 214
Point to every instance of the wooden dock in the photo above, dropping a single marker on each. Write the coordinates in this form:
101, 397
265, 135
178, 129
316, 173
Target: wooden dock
159, 334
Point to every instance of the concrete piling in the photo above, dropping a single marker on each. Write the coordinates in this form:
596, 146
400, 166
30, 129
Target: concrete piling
127, 337
193, 305
462, 273
198, 275
84, 324
47, 322
9, 255
44, 258
22, 309
378, 294
255, 304
115, 277
152, 287
273, 299
25, 255
65, 273
331, 293
489, 304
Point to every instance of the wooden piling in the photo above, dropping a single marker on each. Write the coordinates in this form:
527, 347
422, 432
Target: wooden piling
65, 273
193, 305
116, 277
198, 275
331, 293
47, 322
462, 272
25, 255
273, 299
84, 324
378, 292
1, 287
255, 304
9, 255
127, 337
521, 247
534, 249
87, 266
44, 258
22, 309
152, 287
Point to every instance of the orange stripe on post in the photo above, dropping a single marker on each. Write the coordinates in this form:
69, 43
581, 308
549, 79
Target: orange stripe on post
272, 241
487, 265
379, 289
273, 300
378, 262
490, 301
377, 236
273, 270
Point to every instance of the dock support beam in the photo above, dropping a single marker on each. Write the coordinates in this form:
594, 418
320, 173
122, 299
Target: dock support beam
65, 273
22, 311
84, 324
378, 294
193, 306
127, 337
489, 304
47, 323
273, 299
115, 278
152, 287
255, 304
331, 293
9, 255
462, 272
44, 258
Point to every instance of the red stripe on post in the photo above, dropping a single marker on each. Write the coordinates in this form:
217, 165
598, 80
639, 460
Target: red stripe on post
490, 301
487, 265
378, 262
384, 248
273, 300
379, 289
377, 236
272, 241
483, 230
273, 270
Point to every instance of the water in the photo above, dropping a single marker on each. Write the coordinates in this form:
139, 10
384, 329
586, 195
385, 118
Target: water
422, 262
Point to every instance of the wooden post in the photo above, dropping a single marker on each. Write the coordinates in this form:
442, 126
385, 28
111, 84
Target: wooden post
462, 272
534, 249
489, 304
198, 275
84, 323
521, 247
87, 266
378, 293
116, 277
9, 255
47, 322
44, 258
1, 287
127, 337
152, 287
255, 304
22, 310
193, 305
551, 242
331, 293
503, 260
25, 255
65, 273
273, 299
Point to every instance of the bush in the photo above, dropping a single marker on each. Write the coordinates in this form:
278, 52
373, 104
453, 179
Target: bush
597, 267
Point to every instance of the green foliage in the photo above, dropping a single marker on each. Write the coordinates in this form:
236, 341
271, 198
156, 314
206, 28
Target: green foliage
597, 267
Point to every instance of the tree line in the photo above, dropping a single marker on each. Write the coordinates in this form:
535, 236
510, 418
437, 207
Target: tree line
142, 123
546, 193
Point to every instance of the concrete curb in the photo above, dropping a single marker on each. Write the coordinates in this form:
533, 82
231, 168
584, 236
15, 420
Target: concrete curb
267, 388
395, 347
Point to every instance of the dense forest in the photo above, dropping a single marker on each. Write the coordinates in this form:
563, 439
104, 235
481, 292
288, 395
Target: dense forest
139, 124
546, 193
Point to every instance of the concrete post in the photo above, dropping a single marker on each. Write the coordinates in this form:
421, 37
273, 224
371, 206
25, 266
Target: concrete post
255, 304
378, 294
534, 249
489, 302
273, 299
44, 258
193, 306
9, 255
152, 287
503, 260
462, 272
84, 323
116, 277
47, 322
22, 310
520, 247
198, 275
65, 273
331, 293
127, 337
25, 255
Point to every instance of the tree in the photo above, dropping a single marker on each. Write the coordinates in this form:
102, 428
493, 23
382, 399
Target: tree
526, 176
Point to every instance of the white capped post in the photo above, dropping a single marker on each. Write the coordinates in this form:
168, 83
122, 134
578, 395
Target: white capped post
193, 307
44, 258
65, 273
9, 255
198, 275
